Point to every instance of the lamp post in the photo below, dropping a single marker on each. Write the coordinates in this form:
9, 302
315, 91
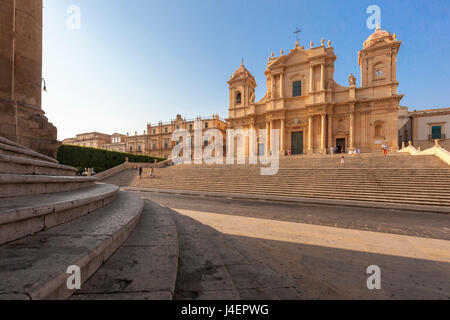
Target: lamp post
45, 85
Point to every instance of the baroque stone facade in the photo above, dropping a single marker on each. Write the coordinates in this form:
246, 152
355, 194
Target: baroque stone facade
157, 141
311, 110
90, 139
22, 118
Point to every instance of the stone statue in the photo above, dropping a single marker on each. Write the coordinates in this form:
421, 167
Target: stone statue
322, 42
329, 84
329, 43
311, 44
352, 80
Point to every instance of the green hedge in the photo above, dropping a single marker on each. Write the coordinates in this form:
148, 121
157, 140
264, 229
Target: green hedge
100, 160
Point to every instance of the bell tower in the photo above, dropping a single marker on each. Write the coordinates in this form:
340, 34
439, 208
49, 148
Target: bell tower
378, 60
242, 90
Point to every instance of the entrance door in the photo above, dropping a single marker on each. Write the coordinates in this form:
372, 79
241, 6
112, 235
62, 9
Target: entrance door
297, 142
261, 149
340, 145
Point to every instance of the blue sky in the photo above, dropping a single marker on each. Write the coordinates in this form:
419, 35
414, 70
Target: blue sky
139, 61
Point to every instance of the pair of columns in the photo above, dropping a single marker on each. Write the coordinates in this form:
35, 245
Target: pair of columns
322, 77
281, 87
268, 142
311, 131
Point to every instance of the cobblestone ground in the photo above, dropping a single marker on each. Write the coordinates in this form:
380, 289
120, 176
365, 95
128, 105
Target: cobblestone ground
234, 249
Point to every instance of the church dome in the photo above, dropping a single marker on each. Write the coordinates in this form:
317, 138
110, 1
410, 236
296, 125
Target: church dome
377, 36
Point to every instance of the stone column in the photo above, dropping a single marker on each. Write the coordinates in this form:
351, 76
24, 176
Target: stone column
352, 130
267, 143
272, 85
281, 86
311, 76
282, 135
251, 140
322, 132
330, 130
322, 76
270, 136
310, 134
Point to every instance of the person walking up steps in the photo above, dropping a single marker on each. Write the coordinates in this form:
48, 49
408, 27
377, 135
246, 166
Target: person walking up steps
151, 173
140, 172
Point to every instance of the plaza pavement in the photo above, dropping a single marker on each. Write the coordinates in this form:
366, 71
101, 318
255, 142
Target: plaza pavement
246, 249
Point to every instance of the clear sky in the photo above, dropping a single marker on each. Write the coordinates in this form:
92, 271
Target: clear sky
139, 61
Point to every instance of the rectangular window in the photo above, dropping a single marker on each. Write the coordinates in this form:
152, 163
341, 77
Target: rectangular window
154, 131
153, 145
436, 132
166, 144
206, 125
165, 130
190, 127
297, 89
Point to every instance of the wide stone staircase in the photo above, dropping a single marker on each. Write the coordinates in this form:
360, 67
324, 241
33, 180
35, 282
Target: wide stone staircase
51, 219
396, 178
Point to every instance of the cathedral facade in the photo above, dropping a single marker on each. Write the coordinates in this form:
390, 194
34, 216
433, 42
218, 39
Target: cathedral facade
312, 112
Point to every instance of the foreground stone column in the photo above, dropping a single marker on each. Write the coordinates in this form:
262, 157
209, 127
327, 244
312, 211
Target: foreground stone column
21, 116
267, 143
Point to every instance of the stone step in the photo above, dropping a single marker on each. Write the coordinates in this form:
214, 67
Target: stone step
355, 187
372, 196
326, 194
144, 267
13, 185
20, 165
10, 148
35, 267
25, 215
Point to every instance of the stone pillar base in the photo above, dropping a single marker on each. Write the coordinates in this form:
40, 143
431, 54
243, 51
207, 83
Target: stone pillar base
8, 112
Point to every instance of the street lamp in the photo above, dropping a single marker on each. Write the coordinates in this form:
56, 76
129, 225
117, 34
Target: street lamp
45, 86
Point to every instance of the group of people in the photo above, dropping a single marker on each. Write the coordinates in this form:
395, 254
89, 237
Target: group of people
339, 149
150, 172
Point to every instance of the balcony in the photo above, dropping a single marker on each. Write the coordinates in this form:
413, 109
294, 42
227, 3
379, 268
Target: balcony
442, 137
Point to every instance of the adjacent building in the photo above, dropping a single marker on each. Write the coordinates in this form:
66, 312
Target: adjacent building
423, 127
157, 141
160, 134
90, 139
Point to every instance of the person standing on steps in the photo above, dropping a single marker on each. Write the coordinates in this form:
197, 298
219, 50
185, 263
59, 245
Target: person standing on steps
384, 147
342, 161
140, 172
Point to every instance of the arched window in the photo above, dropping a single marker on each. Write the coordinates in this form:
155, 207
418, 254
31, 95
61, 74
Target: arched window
238, 98
297, 89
